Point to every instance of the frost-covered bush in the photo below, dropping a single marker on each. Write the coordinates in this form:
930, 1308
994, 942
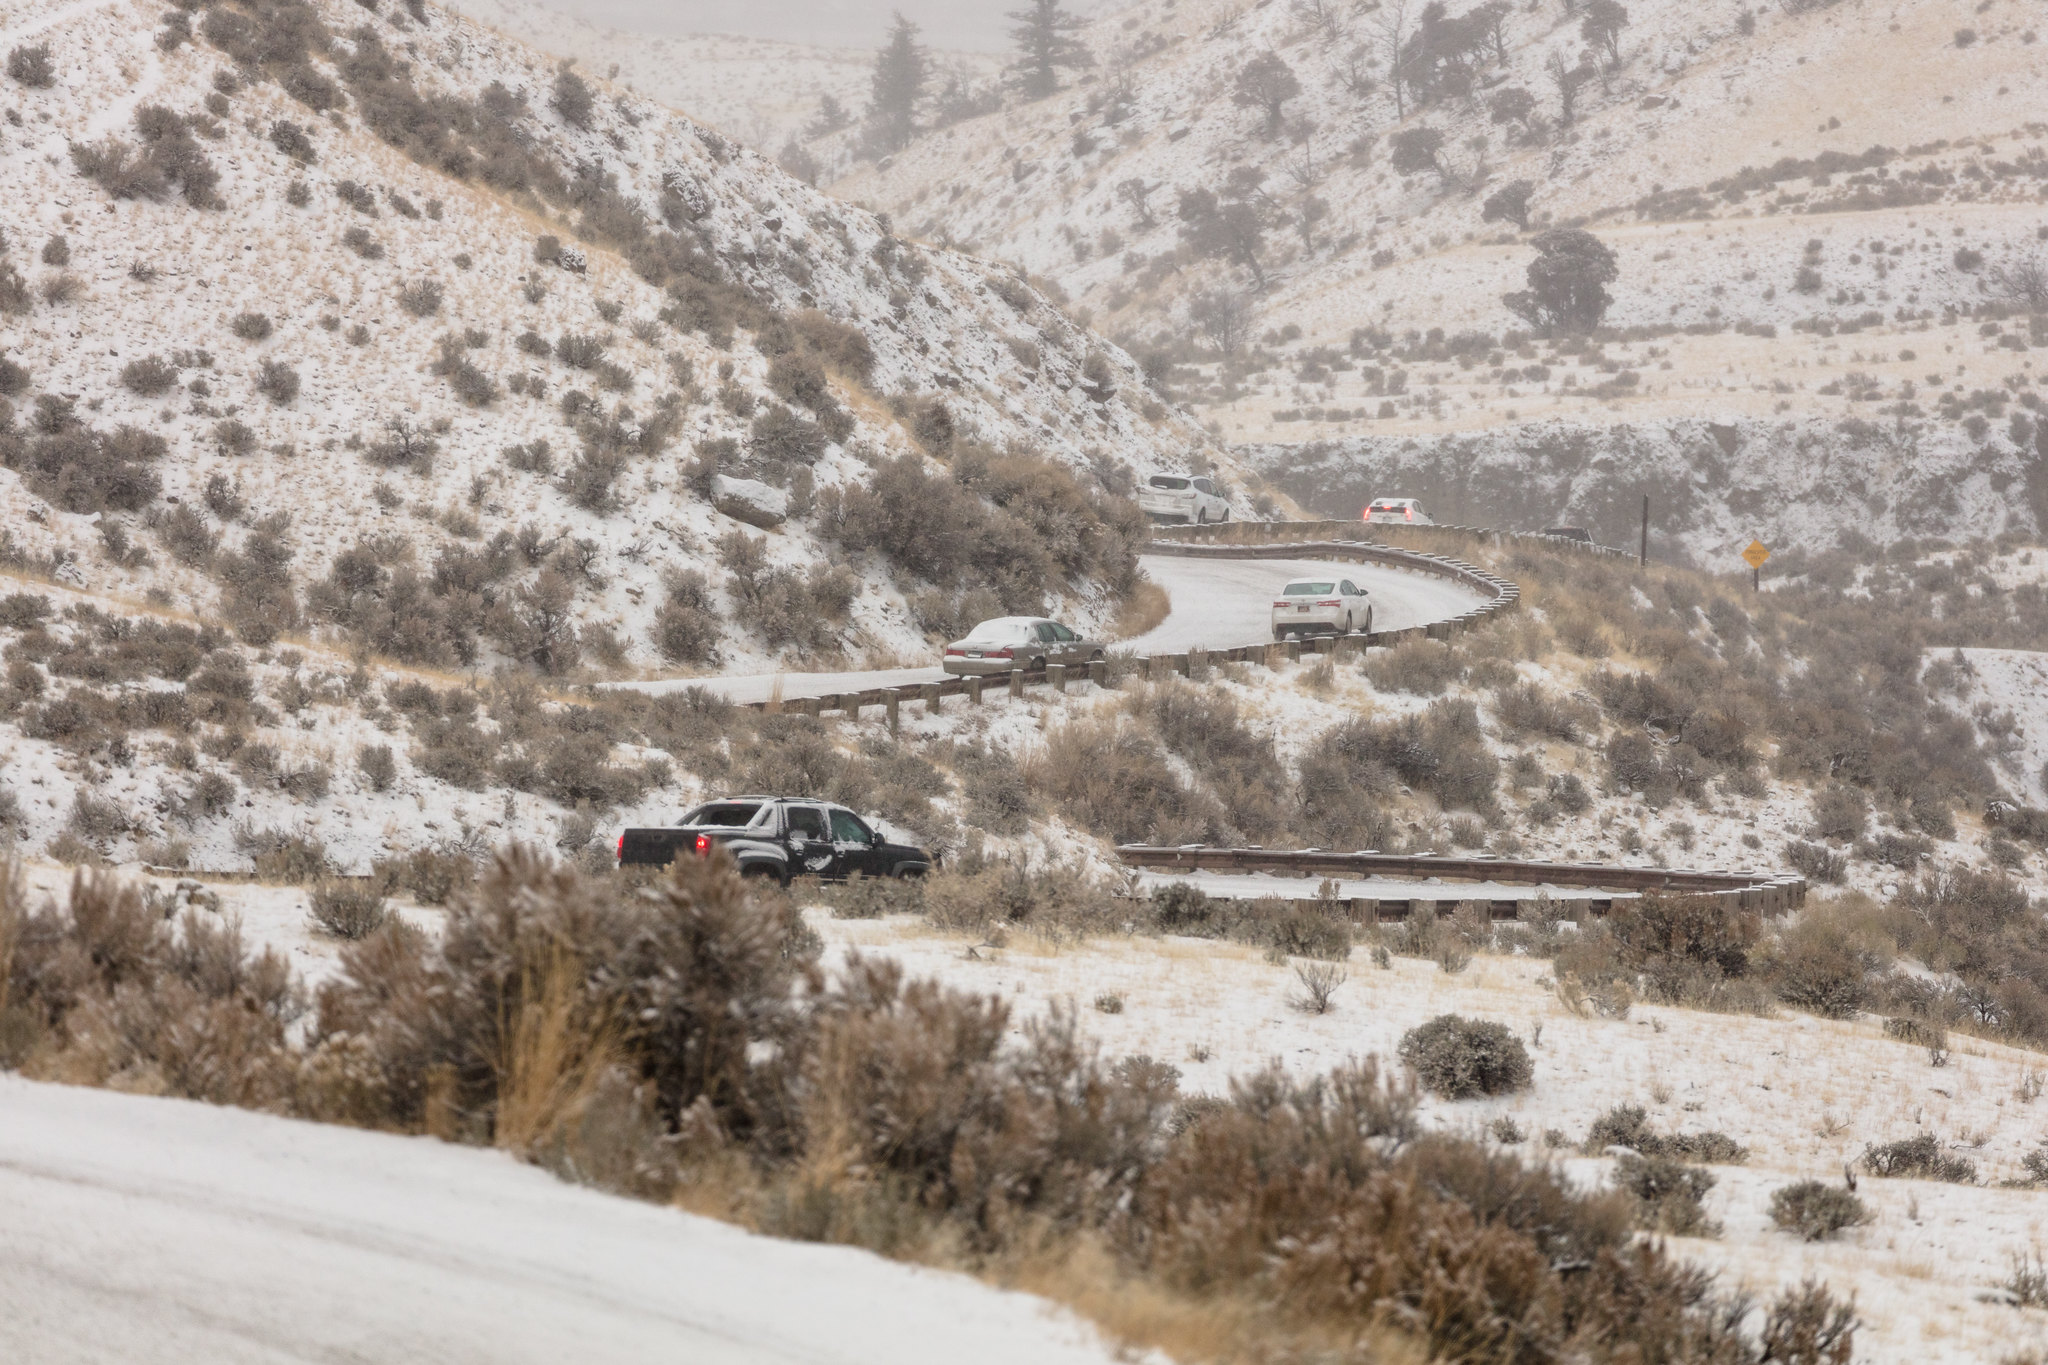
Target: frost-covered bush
252, 326
359, 240
1817, 1211
687, 628
278, 382
346, 909
377, 766
1917, 1158
1459, 1058
421, 298
151, 376
293, 141
31, 64
1668, 1195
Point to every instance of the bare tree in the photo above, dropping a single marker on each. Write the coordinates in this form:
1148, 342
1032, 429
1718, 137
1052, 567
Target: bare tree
1394, 28
1267, 82
1322, 20
1602, 27
2023, 282
1138, 195
1223, 315
1569, 80
1354, 72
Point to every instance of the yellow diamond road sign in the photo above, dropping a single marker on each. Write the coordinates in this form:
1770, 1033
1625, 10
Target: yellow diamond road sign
1756, 554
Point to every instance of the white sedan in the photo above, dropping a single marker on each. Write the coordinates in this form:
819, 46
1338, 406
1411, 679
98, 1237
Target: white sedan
1321, 606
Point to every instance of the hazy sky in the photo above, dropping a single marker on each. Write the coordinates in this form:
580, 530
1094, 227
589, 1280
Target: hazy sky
972, 25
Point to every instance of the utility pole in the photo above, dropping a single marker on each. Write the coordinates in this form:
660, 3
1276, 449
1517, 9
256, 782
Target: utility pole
1643, 554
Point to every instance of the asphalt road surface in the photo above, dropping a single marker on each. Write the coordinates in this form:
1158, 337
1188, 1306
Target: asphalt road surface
1217, 604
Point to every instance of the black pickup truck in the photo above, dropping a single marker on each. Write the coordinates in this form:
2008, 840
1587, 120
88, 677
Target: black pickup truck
779, 837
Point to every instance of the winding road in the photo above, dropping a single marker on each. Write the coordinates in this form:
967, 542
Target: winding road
1217, 604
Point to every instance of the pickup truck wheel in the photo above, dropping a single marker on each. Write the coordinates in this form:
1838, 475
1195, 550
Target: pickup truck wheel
761, 871
1279, 635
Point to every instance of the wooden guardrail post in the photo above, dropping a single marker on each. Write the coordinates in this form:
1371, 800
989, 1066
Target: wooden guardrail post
891, 706
930, 695
974, 690
1016, 682
1098, 672
1056, 674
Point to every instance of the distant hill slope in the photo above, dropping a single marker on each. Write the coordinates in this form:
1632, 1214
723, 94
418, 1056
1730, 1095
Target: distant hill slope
1772, 181
757, 90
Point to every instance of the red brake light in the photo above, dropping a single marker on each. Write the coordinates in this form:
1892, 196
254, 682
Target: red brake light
950, 652
703, 845
622, 848
1283, 603
1331, 602
1411, 514
1002, 653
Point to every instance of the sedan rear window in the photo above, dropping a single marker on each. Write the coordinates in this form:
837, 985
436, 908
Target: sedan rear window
1170, 484
1388, 505
725, 814
1309, 589
998, 631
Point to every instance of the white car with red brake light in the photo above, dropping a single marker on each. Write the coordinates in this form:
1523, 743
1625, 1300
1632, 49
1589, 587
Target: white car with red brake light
1321, 606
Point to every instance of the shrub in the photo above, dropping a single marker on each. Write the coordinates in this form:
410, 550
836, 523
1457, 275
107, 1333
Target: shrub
421, 298
346, 909
359, 240
429, 875
578, 351
1627, 1125
1816, 1211
150, 376
686, 629
251, 326
572, 98
1668, 1195
1459, 1058
378, 767
1817, 862
292, 140
278, 382
1423, 667
281, 855
32, 66
1918, 1158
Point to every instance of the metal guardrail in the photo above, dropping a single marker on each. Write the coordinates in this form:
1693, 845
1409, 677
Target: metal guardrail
1768, 893
1262, 532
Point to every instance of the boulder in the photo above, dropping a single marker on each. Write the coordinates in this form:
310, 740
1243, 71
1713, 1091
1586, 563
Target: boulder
750, 500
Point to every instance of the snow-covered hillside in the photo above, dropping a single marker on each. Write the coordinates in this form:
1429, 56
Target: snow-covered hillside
1822, 210
442, 292
761, 91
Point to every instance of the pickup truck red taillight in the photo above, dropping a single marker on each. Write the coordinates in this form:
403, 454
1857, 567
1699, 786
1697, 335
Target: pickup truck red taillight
622, 848
703, 845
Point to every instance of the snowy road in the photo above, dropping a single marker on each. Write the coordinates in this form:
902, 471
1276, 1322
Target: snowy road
1217, 604
149, 1230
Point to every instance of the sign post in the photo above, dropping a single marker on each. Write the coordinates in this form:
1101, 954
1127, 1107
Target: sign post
1755, 556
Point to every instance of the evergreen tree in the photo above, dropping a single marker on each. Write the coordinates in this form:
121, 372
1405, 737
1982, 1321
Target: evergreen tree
1045, 43
902, 71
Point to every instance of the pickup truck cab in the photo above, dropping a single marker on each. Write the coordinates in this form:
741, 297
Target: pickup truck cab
779, 837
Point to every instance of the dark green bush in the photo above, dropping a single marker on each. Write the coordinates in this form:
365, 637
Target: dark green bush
1460, 1058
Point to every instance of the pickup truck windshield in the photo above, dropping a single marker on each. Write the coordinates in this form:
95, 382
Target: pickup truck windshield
728, 814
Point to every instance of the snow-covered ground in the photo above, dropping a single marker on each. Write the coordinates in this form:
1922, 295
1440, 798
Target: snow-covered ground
1803, 1094
161, 1232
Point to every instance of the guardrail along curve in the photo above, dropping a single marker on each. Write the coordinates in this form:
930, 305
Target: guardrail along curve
1768, 893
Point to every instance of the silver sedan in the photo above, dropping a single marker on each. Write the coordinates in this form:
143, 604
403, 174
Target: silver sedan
1027, 642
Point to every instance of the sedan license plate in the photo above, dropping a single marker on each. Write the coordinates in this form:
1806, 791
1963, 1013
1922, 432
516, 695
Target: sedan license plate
974, 654
1302, 610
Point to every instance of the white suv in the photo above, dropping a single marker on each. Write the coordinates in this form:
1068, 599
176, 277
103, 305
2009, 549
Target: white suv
1176, 497
1402, 511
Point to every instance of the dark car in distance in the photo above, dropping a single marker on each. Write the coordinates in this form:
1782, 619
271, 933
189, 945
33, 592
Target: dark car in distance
780, 837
